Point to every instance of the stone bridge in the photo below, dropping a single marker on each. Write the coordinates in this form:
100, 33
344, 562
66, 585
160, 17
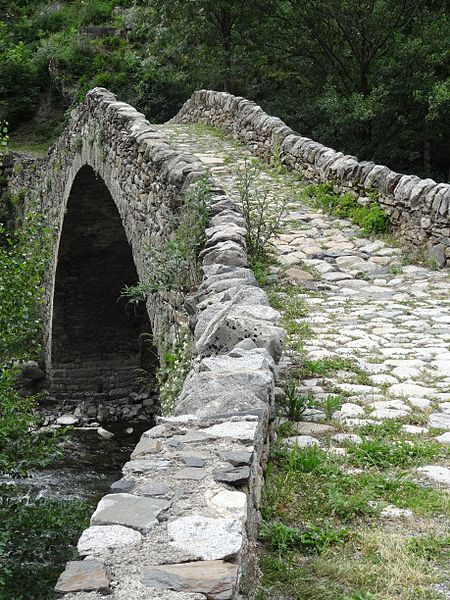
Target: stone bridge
181, 523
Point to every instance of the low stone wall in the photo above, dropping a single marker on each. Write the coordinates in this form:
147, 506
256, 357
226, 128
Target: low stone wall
419, 209
181, 523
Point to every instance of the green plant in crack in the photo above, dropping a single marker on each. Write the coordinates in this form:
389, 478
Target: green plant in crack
294, 403
175, 365
332, 404
370, 217
263, 214
174, 266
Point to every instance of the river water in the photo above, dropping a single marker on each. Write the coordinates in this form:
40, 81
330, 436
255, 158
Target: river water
43, 514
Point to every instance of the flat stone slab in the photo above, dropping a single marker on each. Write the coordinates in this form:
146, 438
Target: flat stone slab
123, 485
439, 421
137, 512
239, 430
308, 428
216, 579
147, 445
99, 538
191, 473
154, 488
205, 537
231, 502
302, 441
238, 459
83, 576
145, 466
234, 476
436, 473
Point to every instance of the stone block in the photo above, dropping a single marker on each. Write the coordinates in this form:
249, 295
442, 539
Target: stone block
83, 576
216, 579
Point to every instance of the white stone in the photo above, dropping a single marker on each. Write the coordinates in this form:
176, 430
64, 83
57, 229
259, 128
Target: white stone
444, 438
383, 378
231, 502
349, 410
99, 538
393, 512
302, 441
439, 421
104, 433
421, 403
347, 437
410, 389
239, 430
307, 428
436, 473
414, 429
67, 420
388, 413
205, 537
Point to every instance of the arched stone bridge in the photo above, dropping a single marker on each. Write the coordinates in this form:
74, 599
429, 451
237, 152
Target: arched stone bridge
181, 523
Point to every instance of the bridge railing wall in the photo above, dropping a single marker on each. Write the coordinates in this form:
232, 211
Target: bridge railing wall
419, 209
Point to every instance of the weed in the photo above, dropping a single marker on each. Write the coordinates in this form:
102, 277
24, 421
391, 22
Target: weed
371, 217
294, 403
332, 404
174, 266
310, 540
263, 216
384, 453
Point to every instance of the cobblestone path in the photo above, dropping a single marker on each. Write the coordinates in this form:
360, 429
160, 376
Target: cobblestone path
366, 307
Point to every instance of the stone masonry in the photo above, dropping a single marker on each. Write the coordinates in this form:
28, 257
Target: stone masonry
418, 208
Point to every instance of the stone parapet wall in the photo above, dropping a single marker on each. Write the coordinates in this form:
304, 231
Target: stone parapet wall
419, 209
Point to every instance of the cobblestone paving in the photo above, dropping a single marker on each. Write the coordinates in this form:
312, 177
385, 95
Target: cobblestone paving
367, 305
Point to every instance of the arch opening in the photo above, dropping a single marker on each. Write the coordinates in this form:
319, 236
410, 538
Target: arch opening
99, 342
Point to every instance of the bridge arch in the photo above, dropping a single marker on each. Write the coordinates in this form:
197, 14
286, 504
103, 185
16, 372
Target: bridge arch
114, 172
95, 337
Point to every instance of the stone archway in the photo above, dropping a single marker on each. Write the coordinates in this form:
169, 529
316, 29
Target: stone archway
96, 335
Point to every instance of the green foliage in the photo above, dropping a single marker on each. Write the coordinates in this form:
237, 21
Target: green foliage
332, 404
4, 137
263, 214
37, 537
24, 256
175, 366
381, 452
175, 265
294, 403
311, 539
21, 447
370, 217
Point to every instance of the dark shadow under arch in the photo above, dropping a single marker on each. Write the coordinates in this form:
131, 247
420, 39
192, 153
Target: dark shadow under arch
97, 336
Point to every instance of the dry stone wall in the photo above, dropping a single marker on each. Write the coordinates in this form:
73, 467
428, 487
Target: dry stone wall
419, 209
181, 522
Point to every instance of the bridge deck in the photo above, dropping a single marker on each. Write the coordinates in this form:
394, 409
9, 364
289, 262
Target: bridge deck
376, 341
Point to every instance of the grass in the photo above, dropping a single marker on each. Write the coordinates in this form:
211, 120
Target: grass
322, 536
370, 217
